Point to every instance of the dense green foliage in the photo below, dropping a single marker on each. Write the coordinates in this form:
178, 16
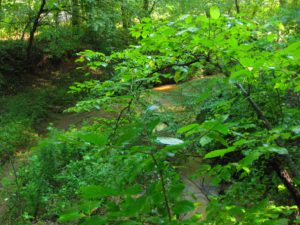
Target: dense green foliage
230, 128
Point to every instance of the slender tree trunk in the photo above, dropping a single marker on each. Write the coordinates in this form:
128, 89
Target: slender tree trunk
237, 6
33, 30
125, 23
0, 10
278, 162
25, 29
146, 7
75, 13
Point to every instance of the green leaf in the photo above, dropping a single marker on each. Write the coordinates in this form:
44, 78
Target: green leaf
94, 138
275, 149
88, 206
70, 216
133, 190
296, 129
94, 191
250, 158
95, 220
222, 128
183, 207
152, 124
175, 191
132, 207
187, 128
216, 125
219, 153
282, 221
129, 133
131, 222
240, 142
205, 140
169, 141
214, 12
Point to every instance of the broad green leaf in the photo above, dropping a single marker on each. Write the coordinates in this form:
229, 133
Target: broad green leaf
94, 138
133, 190
205, 140
219, 153
275, 149
132, 207
216, 125
176, 190
296, 129
222, 128
94, 192
88, 206
95, 220
240, 142
131, 222
71, 216
152, 124
129, 133
250, 158
214, 12
183, 206
169, 141
282, 221
177, 76
188, 128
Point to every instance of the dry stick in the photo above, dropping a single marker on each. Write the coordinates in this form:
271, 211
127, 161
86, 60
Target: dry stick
127, 107
276, 161
163, 185
205, 194
254, 105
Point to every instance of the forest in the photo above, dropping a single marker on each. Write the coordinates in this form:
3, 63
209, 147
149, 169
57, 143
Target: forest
147, 112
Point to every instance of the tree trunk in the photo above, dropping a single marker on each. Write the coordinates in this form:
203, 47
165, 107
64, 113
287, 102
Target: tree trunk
146, 7
75, 13
125, 23
237, 6
278, 162
33, 30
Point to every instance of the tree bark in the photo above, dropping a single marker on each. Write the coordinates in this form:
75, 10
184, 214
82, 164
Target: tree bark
33, 30
146, 8
146, 5
75, 13
237, 6
277, 161
125, 23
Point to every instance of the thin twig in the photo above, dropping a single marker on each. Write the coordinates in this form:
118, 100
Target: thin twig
163, 185
20, 212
